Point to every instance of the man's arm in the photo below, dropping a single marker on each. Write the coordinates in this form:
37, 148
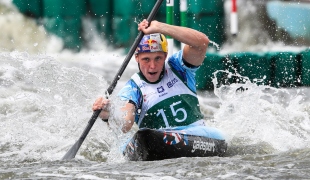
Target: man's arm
196, 42
128, 111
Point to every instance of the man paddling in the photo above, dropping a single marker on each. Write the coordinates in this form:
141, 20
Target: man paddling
163, 93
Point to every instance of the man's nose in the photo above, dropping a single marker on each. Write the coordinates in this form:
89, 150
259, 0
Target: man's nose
152, 64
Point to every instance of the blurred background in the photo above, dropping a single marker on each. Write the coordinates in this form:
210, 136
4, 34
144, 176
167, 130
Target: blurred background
257, 39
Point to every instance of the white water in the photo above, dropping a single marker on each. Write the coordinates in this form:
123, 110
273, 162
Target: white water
45, 102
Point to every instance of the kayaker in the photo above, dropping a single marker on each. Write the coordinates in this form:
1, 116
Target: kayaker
163, 93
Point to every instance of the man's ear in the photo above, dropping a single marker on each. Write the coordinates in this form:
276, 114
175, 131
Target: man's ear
137, 57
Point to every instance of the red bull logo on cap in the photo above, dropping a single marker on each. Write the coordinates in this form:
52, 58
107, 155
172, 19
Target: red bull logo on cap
152, 43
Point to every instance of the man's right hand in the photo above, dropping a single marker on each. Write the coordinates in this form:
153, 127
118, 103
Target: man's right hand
102, 104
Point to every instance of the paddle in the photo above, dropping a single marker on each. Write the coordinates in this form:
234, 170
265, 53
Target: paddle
74, 149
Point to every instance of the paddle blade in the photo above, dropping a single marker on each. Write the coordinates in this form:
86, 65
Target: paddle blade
73, 150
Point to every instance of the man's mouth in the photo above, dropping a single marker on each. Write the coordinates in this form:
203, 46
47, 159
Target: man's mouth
152, 73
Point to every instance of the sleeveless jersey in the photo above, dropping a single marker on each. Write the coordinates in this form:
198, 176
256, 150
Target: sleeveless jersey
168, 103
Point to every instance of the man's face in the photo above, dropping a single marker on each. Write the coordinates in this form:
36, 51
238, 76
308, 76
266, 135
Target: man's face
151, 64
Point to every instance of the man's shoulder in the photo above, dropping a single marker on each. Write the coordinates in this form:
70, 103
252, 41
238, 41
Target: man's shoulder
129, 91
175, 61
130, 84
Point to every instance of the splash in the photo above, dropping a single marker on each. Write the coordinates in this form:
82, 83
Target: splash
218, 48
45, 107
262, 119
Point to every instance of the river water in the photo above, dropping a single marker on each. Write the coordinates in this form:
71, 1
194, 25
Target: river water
45, 103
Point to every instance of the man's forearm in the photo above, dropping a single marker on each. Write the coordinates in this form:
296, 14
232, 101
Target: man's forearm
185, 35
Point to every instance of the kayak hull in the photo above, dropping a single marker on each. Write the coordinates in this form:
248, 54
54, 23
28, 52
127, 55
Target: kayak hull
150, 144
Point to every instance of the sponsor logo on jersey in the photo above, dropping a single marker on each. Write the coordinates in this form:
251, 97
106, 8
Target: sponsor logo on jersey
146, 96
172, 82
143, 84
160, 89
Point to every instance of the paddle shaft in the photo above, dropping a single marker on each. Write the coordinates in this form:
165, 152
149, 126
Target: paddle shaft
74, 149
